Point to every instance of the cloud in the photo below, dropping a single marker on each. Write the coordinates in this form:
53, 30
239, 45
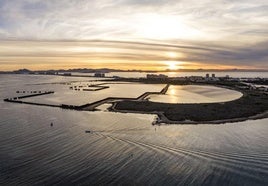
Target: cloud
208, 31
117, 52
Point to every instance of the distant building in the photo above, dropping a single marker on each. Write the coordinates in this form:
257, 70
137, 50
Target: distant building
233, 79
99, 74
156, 76
212, 78
50, 72
22, 71
179, 78
67, 73
196, 78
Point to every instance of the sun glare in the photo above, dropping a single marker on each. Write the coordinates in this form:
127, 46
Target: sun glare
172, 65
172, 91
172, 55
164, 27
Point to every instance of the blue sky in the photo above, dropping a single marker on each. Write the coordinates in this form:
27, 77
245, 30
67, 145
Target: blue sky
123, 33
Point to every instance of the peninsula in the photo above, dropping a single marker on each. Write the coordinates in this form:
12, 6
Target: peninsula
252, 105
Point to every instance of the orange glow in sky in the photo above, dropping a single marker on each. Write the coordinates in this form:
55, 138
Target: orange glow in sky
151, 35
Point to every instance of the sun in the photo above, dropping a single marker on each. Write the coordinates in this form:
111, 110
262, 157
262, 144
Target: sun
172, 65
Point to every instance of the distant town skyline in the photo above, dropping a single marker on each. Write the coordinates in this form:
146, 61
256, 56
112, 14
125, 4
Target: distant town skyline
133, 34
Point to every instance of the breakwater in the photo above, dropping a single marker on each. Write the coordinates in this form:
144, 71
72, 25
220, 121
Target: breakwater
85, 107
40, 93
146, 94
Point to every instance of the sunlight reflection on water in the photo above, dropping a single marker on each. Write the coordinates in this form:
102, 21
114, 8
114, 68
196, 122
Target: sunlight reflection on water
195, 94
124, 148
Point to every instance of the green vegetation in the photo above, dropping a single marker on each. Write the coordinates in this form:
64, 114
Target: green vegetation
251, 103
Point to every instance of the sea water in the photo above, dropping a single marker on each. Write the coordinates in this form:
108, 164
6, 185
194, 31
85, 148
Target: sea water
121, 148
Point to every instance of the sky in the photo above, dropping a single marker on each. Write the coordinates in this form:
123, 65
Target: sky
133, 34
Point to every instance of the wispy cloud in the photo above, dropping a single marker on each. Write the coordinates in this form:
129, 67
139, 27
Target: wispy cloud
220, 31
94, 52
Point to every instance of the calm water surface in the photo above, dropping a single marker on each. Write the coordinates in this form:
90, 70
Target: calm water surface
195, 94
122, 149
234, 74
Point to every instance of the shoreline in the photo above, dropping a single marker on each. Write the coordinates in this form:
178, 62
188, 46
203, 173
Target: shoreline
163, 120
251, 105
